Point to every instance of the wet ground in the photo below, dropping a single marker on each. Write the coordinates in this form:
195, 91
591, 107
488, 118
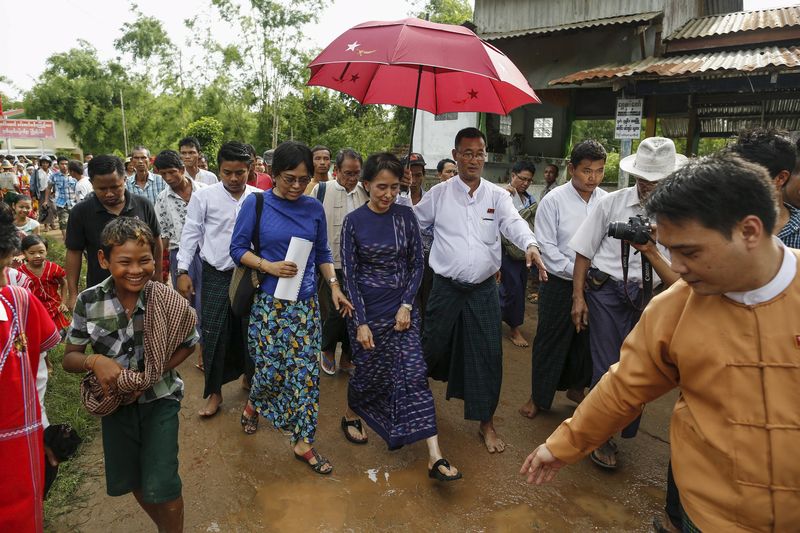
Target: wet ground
239, 483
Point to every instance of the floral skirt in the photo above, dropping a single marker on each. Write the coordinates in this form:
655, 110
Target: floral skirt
284, 339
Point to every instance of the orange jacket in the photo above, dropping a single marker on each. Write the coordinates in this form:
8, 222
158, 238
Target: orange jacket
735, 428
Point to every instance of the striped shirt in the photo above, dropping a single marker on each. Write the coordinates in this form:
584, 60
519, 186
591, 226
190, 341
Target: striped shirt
155, 184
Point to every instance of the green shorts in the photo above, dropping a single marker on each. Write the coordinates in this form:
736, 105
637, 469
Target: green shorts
140, 445
63, 216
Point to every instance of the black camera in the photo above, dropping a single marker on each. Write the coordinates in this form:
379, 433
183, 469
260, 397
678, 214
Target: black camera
635, 230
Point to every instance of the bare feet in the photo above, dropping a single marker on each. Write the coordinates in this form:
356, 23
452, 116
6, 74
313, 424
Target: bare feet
516, 337
490, 438
529, 410
576, 395
212, 406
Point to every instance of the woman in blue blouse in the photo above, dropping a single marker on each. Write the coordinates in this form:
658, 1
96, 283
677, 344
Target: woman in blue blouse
285, 336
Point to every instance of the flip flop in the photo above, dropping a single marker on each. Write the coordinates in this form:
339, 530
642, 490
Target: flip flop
328, 369
249, 423
354, 424
435, 473
321, 461
608, 449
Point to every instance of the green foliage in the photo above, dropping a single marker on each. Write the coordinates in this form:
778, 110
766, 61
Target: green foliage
446, 11
209, 132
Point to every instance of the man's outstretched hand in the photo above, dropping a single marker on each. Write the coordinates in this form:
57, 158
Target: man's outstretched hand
541, 466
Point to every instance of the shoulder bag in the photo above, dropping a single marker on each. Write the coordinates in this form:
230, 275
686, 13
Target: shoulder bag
246, 281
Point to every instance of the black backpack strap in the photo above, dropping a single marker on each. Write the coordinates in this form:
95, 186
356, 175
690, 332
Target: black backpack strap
321, 186
259, 210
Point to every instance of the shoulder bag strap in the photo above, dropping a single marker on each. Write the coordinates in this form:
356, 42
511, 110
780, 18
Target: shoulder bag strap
259, 210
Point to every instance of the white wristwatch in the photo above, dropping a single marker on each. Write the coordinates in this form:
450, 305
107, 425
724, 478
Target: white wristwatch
333, 280
407, 306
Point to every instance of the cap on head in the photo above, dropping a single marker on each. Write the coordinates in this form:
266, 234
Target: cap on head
413, 159
7, 165
655, 159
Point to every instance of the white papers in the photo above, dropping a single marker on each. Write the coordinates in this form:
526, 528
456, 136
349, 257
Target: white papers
298, 252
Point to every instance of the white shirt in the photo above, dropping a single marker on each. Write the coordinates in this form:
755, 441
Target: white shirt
466, 229
605, 253
350, 204
776, 285
212, 211
83, 188
558, 217
203, 176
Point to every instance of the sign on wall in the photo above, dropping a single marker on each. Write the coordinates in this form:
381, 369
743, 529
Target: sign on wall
27, 129
629, 118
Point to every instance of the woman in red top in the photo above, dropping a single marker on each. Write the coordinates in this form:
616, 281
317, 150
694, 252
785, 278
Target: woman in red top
48, 280
25, 332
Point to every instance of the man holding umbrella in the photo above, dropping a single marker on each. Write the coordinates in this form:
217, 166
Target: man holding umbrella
462, 336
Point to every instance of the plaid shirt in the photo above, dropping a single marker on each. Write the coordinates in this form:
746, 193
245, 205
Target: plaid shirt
64, 187
100, 319
155, 184
790, 233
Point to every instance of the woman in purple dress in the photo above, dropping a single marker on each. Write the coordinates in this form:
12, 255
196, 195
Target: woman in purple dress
382, 263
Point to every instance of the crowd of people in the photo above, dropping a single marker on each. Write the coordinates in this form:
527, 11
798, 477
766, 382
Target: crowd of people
413, 284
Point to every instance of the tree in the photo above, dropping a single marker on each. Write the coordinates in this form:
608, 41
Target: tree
146, 41
208, 131
445, 11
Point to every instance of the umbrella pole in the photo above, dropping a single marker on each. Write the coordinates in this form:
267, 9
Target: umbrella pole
413, 122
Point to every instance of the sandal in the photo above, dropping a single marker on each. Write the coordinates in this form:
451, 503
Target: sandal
608, 449
249, 422
353, 424
319, 465
327, 364
435, 473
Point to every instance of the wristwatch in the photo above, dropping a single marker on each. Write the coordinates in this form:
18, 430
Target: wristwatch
333, 280
181, 272
407, 306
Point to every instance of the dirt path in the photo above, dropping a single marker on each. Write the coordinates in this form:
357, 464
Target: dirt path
238, 483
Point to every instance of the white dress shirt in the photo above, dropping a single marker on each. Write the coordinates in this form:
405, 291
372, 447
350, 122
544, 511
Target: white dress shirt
592, 240
466, 229
203, 176
212, 211
558, 217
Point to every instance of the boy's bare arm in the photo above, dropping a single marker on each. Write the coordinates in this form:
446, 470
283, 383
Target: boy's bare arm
73, 268
178, 357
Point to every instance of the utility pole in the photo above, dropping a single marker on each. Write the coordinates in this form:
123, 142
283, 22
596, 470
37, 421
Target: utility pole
124, 127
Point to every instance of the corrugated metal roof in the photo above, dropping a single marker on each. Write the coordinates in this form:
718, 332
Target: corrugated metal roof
781, 17
687, 65
611, 21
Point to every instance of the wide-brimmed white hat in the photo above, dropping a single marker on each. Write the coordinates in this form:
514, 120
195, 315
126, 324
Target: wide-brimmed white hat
655, 159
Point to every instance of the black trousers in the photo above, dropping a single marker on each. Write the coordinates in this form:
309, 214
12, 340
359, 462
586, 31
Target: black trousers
334, 325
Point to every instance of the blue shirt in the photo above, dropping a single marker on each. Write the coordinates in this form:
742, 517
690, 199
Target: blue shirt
155, 184
64, 187
281, 220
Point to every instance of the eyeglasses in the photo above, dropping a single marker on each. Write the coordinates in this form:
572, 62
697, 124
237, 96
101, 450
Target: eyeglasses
523, 179
479, 156
292, 181
354, 174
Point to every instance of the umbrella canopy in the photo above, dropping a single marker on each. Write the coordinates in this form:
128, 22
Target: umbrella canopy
440, 68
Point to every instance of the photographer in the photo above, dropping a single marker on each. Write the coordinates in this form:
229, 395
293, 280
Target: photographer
606, 298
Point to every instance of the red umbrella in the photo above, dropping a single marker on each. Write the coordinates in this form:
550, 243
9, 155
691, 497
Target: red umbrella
440, 68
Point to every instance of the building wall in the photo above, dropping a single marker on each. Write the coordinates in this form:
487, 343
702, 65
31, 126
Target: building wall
509, 15
434, 138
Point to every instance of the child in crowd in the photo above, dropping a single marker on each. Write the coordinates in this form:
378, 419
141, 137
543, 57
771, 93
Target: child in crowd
48, 280
26, 332
22, 220
140, 331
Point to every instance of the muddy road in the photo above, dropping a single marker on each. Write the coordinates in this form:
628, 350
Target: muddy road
239, 483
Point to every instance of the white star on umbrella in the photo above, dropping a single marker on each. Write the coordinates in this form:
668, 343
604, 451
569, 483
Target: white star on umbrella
352, 46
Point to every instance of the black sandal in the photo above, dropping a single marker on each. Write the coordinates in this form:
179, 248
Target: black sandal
249, 423
318, 466
353, 424
435, 473
608, 448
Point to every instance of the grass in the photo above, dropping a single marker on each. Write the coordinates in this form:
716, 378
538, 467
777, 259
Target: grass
63, 405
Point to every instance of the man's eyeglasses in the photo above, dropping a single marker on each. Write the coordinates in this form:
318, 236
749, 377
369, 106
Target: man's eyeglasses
351, 174
479, 156
292, 181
